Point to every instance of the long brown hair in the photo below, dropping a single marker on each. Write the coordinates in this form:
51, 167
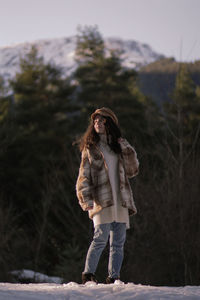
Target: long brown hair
91, 138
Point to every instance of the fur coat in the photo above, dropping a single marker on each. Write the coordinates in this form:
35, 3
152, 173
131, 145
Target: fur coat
93, 181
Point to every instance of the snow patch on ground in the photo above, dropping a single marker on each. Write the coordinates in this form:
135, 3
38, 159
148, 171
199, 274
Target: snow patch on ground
35, 276
116, 291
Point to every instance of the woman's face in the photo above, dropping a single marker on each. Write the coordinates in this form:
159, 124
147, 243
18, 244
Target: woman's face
99, 124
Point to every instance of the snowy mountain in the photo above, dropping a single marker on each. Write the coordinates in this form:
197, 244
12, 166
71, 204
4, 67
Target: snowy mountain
61, 52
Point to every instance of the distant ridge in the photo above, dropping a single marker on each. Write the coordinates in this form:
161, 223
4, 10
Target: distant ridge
61, 51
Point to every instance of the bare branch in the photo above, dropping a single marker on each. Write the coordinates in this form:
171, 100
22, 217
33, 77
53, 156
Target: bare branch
193, 144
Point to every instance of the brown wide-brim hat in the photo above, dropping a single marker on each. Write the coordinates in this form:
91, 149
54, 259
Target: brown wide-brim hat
105, 112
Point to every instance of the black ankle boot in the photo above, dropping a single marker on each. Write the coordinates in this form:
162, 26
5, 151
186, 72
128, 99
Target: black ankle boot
88, 277
111, 280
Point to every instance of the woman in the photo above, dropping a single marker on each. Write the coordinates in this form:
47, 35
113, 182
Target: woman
103, 189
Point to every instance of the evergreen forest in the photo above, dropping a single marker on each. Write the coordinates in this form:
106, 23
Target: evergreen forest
42, 226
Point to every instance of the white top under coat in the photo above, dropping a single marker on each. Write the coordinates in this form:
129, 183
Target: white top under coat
115, 212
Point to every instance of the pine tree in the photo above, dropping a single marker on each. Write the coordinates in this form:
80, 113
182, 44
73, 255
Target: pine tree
90, 44
102, 81
181, 149
183, 115
38, 151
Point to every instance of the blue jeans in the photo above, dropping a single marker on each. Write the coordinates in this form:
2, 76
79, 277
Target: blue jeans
117, 233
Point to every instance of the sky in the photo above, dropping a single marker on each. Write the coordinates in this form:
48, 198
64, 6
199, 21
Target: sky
170, 27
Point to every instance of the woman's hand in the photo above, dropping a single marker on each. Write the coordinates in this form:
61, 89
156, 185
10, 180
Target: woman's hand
120, 140
89, 208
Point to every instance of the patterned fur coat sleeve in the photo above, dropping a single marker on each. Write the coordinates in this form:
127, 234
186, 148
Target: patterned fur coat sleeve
84, 185
130, 161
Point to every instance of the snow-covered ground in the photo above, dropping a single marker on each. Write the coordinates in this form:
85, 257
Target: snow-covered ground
74, 291
54, 289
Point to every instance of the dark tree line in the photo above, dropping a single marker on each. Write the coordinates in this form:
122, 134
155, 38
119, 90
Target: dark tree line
158, 78
42, 226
